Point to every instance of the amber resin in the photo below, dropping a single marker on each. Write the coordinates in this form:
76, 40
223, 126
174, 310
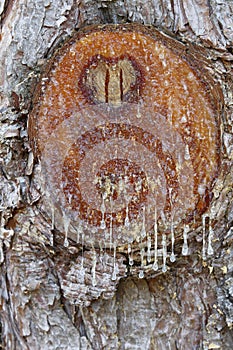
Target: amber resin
125, 123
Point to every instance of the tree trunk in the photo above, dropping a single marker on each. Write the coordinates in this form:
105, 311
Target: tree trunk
187, 307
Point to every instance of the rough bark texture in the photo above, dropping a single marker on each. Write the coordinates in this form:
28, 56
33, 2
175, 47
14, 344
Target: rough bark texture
190, 306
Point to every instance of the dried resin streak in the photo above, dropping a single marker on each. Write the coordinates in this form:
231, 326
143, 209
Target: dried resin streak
126, 125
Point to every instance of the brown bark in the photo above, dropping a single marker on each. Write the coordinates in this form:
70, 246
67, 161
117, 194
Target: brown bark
188, 307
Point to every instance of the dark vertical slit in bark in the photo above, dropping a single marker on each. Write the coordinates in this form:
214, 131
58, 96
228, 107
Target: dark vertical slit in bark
121, 84
107, 77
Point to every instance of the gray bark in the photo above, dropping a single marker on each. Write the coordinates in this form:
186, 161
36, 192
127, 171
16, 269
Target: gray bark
190, 306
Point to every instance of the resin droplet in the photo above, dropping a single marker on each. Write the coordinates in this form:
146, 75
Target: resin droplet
66, 242
131, 262
164, 247
141, 274
185, 249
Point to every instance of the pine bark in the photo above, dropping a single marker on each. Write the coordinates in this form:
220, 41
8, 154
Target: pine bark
190, 306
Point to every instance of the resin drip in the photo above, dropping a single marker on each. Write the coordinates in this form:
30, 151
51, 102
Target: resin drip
94, 260
53, 217
149, 248
155, 265
114, 273
127, 222
210, 250
204, 236
187, 154
164, 248
102, 224
79, 232
141, 272
185, 249
1, 252
66, 222
111, 224
172, 257
143, 230
130, 256
142, 253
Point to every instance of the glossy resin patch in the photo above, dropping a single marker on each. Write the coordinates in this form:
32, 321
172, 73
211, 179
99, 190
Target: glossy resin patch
125, 124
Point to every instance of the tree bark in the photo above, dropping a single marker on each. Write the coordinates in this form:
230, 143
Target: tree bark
188, 307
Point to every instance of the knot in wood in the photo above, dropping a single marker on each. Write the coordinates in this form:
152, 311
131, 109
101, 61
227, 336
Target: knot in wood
111, 81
